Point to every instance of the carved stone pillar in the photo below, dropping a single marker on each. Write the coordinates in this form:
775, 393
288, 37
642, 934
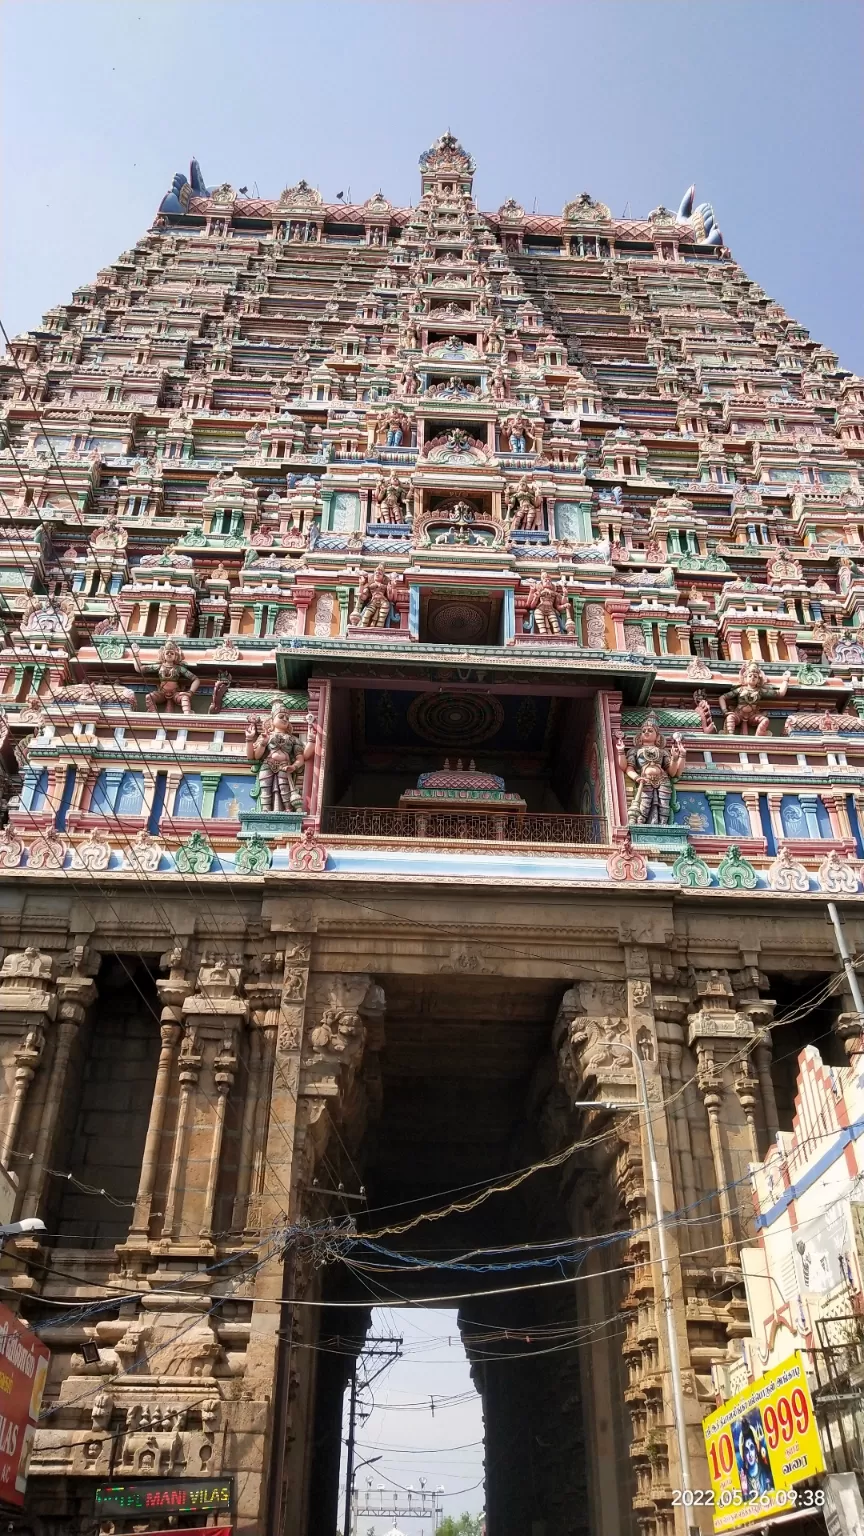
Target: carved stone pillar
213, 1014
189, 1065
715, 1028
224, 1071
748, 986
264, 992
712, 1089
669, 1017
173, 991
75, 992
747, 1089
28, 1003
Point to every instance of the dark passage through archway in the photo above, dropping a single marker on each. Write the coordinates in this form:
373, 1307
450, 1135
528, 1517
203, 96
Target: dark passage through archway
468, 1094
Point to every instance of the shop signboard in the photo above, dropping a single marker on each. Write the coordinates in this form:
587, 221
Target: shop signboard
23, 1369
760, 1445
168, 1495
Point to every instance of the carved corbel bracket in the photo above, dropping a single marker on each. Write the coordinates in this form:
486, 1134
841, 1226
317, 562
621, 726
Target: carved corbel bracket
27, 988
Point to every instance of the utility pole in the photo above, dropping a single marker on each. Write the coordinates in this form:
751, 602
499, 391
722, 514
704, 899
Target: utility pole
371, 1350
349, 1462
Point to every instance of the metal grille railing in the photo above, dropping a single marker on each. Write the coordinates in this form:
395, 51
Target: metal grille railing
838, 1365
465, 826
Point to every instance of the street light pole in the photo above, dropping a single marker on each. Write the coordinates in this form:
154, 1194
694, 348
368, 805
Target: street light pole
665, 1275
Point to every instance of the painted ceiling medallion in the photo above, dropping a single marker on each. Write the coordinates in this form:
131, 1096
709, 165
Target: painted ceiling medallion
454, 719
457, 622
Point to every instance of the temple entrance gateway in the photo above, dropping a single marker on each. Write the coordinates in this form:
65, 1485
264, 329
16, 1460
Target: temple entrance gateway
464, 1086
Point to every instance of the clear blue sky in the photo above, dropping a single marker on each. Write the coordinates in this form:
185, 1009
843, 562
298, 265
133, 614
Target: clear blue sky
757, 101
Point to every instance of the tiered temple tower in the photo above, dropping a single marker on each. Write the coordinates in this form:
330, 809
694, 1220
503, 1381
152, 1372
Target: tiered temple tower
431, 672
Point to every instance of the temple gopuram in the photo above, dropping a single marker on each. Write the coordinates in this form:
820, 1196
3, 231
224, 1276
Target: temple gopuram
431, 705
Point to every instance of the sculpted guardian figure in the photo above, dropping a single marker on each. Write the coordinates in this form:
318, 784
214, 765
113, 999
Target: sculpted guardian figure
546, 602
282, 758
374, 597
652, 770
525, 506
390, 500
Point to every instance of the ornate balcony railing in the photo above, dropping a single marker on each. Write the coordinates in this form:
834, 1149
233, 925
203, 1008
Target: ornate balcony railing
465, 826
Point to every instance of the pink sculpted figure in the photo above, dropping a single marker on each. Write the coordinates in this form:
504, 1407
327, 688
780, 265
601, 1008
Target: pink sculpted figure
741, 705
525, 506
373, 600
547, 602
282, 757
390, 499
176, 683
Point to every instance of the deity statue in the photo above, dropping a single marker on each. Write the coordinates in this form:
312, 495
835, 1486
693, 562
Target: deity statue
282, 758
390, 498
374, 598
498, 385
525, 506
409, 382
741, 704
171, 672
652, 770
397, 425
517, 427
495, 337
546, 602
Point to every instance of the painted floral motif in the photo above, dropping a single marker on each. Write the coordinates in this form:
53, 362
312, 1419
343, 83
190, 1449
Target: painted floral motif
734, 872
195, 856
253, 857
308, 856
626, 863
94, 853
47, 851
837, 875
692, 872
11, 849
144, 853
787, 874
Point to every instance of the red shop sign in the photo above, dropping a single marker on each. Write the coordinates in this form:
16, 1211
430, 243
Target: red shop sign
23, 1369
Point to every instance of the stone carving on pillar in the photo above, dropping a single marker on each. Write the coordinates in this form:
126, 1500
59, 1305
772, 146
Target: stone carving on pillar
345, 1031
713, 1089
75, 991
716, 1016
592, 1045
747, 1089
173, 991
27, 1004
212, 1015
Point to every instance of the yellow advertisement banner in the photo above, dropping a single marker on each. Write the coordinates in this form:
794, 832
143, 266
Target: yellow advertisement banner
759, 1445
